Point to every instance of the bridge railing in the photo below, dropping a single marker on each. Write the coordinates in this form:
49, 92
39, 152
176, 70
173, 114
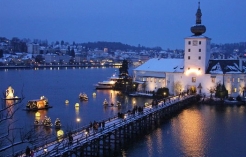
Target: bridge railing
80, 135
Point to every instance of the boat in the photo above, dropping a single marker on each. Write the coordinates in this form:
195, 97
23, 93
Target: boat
118, 104
47, 122
58, 123
105, 102
109, 84
39, 104
9, 94
83, 96
38, 123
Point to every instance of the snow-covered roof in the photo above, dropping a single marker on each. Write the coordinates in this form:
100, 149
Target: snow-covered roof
224, 66
162, 65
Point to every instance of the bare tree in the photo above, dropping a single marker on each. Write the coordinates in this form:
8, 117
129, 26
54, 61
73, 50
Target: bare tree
11, 135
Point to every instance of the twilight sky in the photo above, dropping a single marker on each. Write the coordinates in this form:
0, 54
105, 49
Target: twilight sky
149, 23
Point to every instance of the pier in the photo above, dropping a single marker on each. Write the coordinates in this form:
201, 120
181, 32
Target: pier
109, 136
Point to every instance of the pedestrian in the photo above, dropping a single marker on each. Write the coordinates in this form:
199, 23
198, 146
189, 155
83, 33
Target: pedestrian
28, 151
32, 153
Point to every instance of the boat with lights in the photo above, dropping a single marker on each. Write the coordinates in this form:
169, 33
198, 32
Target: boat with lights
108, 84
38, 104
9, 94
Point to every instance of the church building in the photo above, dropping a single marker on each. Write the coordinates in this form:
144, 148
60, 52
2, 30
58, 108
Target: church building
198, 72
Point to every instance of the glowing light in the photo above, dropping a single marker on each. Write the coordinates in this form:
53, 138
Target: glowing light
77, 105
94, 94
197, 72
60, 134
37, 114
78, 119
66, 102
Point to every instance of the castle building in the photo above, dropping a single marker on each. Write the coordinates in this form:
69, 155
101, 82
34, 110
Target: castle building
197, 72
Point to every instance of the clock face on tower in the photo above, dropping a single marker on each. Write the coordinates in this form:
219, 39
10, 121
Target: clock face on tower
194, 42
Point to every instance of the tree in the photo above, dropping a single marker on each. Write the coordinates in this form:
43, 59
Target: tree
1, 53
162, 92
72, 53
11, 135
221, 92
123, 70
177, 87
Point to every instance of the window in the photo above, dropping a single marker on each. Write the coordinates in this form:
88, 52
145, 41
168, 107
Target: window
188, 50
235, 89
238, 79
199, 68
188, 68
193, 79
200, 42
189, 42
151, 79
213, 79
199, 57
200, 50
189, 57
232, 79
155, 80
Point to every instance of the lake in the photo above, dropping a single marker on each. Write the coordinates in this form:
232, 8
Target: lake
199, 130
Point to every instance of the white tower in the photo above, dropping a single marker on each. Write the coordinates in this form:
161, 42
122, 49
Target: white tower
197, 48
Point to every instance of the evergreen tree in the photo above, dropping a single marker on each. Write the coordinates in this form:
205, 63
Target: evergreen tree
1, 53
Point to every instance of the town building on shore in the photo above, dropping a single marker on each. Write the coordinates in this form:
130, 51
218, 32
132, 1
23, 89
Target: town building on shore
198, 72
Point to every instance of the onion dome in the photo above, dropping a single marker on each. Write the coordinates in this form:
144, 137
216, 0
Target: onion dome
198, 29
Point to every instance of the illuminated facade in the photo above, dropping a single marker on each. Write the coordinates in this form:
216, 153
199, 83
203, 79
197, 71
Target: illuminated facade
197, 72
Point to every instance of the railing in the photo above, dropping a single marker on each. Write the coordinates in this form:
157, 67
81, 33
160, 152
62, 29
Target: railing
55, 146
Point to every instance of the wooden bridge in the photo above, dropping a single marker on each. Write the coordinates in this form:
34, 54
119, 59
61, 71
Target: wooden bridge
112, 135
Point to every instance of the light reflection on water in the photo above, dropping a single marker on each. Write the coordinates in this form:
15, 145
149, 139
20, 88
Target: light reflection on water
189, 130
201, 130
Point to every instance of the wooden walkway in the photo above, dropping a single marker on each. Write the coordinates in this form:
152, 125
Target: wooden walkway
84, 136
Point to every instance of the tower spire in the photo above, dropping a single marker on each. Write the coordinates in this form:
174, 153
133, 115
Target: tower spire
198, 29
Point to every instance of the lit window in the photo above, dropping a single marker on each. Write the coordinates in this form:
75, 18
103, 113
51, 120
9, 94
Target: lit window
235, 90
213, 80
193, 79
151, 79
159, 80
238, 79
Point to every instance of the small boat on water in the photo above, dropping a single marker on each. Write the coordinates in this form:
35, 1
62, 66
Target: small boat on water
38, 123
118, 104
9, 94
39, 104
47, 122
105, 102
58, 123
83, 96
